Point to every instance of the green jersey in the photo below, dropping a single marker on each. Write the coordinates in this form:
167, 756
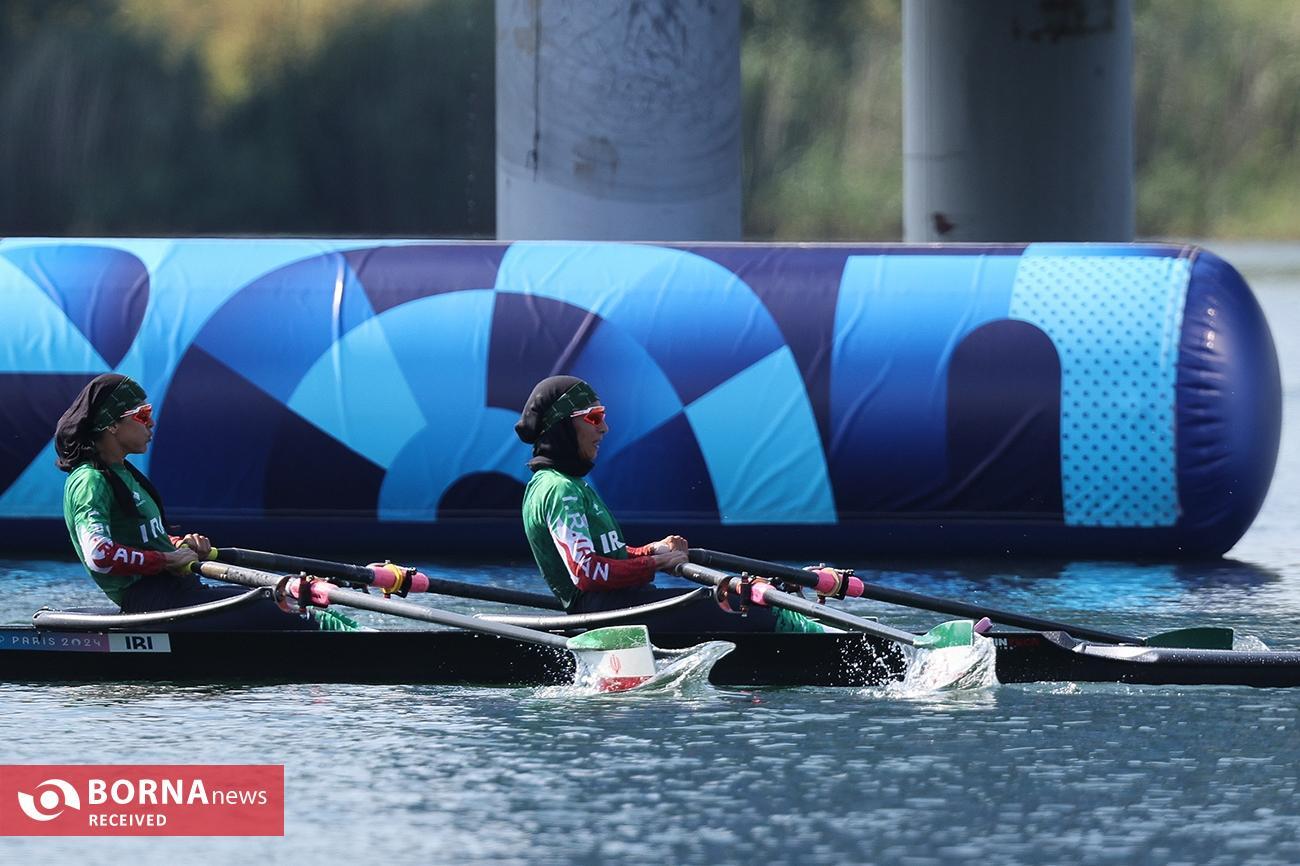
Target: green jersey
116, 548
576, 541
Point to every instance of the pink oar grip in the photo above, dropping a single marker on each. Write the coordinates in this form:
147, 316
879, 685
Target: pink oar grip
387, 576
320, 591
828, 582
384, 576
758, 593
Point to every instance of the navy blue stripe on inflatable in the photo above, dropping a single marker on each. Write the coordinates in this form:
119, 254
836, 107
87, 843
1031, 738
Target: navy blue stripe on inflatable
1084, 400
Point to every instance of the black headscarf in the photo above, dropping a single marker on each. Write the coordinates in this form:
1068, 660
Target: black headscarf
544, 424
81, 424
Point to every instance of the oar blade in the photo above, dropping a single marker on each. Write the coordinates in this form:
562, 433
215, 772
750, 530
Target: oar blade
956, 632
1196, 637
613, 659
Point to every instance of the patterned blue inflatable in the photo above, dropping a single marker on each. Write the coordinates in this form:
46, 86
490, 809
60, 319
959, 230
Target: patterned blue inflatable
1080, 400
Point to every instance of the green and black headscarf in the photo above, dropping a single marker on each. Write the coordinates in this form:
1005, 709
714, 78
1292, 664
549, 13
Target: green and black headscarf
544, 424
100, 405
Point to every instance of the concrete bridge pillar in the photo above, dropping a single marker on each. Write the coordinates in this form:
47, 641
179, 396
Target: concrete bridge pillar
1018, 120
618, 121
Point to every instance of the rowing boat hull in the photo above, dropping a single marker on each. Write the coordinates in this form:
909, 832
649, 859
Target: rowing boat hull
460, 658
431, 657
1029, 657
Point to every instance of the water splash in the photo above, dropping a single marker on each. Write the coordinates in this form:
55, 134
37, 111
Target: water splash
948, 669
688, 672
685, 673
1249, 643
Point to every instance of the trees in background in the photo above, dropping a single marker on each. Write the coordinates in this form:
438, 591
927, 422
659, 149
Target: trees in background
169, 118
376, 117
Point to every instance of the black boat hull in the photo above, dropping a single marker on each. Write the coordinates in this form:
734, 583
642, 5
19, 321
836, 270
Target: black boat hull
461, 658
432, 657
1032, 657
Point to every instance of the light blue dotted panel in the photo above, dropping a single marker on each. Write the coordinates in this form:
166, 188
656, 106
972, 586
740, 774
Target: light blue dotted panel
1115, 321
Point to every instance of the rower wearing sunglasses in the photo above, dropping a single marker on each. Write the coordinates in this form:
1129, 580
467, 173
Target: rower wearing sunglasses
116, 519
577, 542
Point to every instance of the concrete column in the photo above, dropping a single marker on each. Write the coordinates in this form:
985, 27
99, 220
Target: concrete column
1017, 120
618, 121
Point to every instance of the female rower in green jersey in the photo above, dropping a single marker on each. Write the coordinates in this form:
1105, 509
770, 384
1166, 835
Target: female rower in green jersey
565, 519
116, 521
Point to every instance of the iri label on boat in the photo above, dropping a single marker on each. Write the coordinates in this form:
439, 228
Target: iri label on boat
142, 799
139, 643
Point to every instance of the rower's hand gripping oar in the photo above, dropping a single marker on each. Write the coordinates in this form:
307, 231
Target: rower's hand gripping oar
613, 659
838, 583
949, 634
391, 578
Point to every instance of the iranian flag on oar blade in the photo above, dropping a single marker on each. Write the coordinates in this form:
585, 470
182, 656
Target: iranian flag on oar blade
613, 659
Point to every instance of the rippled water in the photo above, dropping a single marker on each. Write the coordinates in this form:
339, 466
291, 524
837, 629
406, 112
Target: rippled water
1013, 774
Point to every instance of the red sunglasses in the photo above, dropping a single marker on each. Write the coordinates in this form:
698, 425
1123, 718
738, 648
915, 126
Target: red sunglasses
142, 413
593, 415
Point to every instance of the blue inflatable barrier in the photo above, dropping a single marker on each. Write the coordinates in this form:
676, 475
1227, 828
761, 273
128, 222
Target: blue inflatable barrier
1076, 400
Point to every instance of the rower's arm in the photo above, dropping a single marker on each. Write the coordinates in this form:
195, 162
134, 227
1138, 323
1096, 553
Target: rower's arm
90, 501
588, 570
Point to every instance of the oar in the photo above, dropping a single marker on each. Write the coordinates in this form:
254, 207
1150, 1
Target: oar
949, 634
614, 659
392, 579
837, 583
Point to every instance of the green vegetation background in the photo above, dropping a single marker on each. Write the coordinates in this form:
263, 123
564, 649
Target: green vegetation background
376, 117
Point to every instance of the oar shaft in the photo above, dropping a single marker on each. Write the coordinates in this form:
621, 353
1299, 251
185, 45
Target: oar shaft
392, 606
766, 594
716, 559
279, 562
382, 577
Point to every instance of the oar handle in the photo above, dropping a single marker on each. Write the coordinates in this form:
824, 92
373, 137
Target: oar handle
381, 576
717, 559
